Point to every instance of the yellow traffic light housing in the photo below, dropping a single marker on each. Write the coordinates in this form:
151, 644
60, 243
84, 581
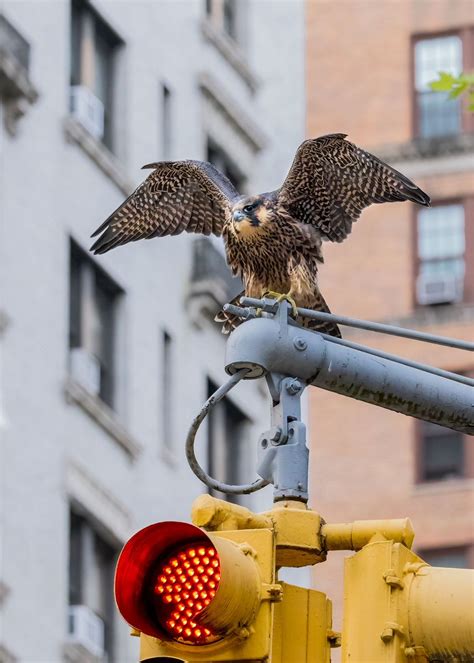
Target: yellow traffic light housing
196, 595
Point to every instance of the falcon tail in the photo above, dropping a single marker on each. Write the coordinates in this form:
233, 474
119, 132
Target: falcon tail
230, 322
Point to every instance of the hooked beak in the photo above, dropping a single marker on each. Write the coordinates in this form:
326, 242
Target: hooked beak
238, 216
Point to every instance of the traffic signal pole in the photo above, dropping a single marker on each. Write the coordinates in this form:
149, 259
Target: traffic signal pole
210, 591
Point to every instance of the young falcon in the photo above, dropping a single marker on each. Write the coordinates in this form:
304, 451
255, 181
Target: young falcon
272, 240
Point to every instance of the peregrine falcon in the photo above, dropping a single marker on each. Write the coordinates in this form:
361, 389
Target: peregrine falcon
272, 240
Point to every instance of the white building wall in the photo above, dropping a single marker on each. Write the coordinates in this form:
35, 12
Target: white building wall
51, 451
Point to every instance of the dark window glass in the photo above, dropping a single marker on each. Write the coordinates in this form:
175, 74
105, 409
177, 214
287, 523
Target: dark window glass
92, 105
92, 562
442, 453
228, 460
441, 245
94, 299
167, 392
230, 18
456, 557
217, 156
166, 126
437, 116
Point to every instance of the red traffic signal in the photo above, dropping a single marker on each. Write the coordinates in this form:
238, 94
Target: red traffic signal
175, 583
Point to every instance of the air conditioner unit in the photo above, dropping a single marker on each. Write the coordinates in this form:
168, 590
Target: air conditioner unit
438, 289
88, 110
85, 369
86, 629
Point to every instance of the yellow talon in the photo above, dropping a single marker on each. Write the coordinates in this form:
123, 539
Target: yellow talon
279, 297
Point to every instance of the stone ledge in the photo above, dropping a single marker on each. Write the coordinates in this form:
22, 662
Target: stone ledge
100, 155
102, 415
234, 113
6, 656
426, 148
231, 51
447, 486
76, 653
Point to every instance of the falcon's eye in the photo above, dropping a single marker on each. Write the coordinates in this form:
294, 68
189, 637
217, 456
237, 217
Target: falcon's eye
249, 208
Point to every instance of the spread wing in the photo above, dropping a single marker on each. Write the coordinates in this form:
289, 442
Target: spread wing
332, 180
178, 196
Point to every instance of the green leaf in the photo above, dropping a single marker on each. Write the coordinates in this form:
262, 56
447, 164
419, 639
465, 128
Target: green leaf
444, 83
458, 89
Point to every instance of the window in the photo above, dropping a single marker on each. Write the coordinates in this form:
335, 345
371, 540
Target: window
435, 117
166, 127
94, 47
93, 314
456, 557
92, 562
228, 455
224, 15
442, 453
441, 254
166, 412
217, 156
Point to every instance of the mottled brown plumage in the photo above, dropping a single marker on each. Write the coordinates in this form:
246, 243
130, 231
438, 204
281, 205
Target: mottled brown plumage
273, 240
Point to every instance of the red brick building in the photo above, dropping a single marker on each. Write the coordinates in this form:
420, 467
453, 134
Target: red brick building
368, 65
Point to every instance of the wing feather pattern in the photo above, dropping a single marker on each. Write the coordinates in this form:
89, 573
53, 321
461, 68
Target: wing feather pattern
178, 196
332, 180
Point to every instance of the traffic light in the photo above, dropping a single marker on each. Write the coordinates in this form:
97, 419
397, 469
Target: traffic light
199, 596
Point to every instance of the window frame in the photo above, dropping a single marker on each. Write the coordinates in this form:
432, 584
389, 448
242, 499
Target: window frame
230, 165
468, 452
101, 538
468, 286
466, 35
467, 548
102, 32
116, 293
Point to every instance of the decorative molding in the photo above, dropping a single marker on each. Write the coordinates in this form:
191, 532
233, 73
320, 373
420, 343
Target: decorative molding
442, 487
6, 656
17, 90
212, 89
101, 414
73, 652
100, 155
231, 51
427, 148
99, 503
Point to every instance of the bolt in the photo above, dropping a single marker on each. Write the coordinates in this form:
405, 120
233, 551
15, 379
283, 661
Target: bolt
276, 437
294, 387
387, 634
300, 344
300, 485
264, 443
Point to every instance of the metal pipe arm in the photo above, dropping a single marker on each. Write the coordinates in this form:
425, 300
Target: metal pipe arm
268, 345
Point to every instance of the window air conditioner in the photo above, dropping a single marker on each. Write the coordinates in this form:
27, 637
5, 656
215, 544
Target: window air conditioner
87, 109
86, 629
85, 370
438, 289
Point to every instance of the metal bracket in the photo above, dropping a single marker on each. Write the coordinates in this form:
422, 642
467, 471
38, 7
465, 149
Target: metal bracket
282, 452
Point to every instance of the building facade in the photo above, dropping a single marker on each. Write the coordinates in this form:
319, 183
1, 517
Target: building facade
106, 361
368, 69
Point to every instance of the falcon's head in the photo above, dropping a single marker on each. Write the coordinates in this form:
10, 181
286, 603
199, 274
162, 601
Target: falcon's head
250, 216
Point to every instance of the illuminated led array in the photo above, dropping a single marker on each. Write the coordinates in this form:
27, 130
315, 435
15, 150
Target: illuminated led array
186, 584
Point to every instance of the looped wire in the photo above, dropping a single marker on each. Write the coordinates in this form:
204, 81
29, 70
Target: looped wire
244, 489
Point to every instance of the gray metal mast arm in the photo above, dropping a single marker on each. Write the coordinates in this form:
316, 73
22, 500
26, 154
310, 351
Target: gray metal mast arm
271, 345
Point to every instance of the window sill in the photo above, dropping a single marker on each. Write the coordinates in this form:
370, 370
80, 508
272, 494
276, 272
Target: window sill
76, 653
100, 155
231, 52
6, 656
447, 486
101, 414
427, 148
